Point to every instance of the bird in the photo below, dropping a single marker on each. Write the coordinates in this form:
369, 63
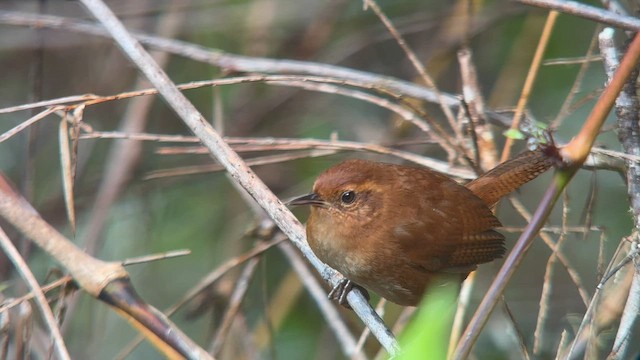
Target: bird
397, 229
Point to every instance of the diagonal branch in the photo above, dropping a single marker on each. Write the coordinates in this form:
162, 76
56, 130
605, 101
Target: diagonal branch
587, 12
573, 156
234, 164
40, 300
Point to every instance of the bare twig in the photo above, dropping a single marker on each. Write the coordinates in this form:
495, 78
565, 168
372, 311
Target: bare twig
344, 336
63, 281
531, 77
234, 62
547, 287
588, 12
269, 143
628, 319
155, 257
577, 83
242, 284
627, 110
474, 99
23, 125
417, 65
573, 156
40, 300
124, 155
559, 254
586, 326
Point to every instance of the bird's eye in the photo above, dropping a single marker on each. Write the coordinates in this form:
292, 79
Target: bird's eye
348, 197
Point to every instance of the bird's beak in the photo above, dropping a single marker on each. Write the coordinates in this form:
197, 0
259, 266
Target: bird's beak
309, 199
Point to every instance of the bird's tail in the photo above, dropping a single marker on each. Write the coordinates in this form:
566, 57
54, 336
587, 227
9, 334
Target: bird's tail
511, 174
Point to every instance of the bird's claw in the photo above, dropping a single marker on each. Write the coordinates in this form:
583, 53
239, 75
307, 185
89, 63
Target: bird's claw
342, 289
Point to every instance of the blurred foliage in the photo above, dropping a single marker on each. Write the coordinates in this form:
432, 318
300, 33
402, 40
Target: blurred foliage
428, 334
206, 214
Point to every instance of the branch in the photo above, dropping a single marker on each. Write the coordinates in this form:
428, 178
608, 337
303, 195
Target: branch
239, 63
587, 12
573, 156
234, 164
627, 107
40, 300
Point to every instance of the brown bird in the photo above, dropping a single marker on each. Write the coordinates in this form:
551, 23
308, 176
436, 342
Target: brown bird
397, 229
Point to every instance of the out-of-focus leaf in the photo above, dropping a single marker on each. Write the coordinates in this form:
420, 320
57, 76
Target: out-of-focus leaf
427, 336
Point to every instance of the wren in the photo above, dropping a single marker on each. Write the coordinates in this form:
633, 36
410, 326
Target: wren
397, 229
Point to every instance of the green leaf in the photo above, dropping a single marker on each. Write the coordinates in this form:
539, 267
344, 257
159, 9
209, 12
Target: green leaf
514, 134
427, 336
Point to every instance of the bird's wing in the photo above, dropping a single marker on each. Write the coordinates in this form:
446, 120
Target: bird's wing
454, 231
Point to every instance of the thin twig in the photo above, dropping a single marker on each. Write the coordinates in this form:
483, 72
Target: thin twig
547, 286
571, 270
269, 143
580, 339
531, 77
124, 155
238, 294
341, 331
63, 281
23, 125
627, 111
416, 64
524, 353
155, 257
573, 156
40, 300
231, 61
206, 282
233, 163
587, 12
474, 100
577, 83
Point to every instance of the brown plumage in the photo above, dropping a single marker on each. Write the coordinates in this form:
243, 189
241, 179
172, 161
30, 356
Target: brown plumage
395, 229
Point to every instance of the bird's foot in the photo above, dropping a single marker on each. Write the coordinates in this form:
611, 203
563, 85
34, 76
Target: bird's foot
342, 289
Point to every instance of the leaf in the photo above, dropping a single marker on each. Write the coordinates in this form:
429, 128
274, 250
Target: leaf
427, 336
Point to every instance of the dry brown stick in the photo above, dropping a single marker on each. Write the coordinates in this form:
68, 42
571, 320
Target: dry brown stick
524, 352
251, 162
124, 155
628, 113
601, 158
588, 12
107, 281
233, 163
23, 125
90, 273
206, 282
91, 99
547, 286
242, 284
529, 81
403, 111
487, 159
233, 62
577, 83
320, 84
474, 100
571, 270
63, 281
21, 266
573, 156
345, 338
416, 64
270, 143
